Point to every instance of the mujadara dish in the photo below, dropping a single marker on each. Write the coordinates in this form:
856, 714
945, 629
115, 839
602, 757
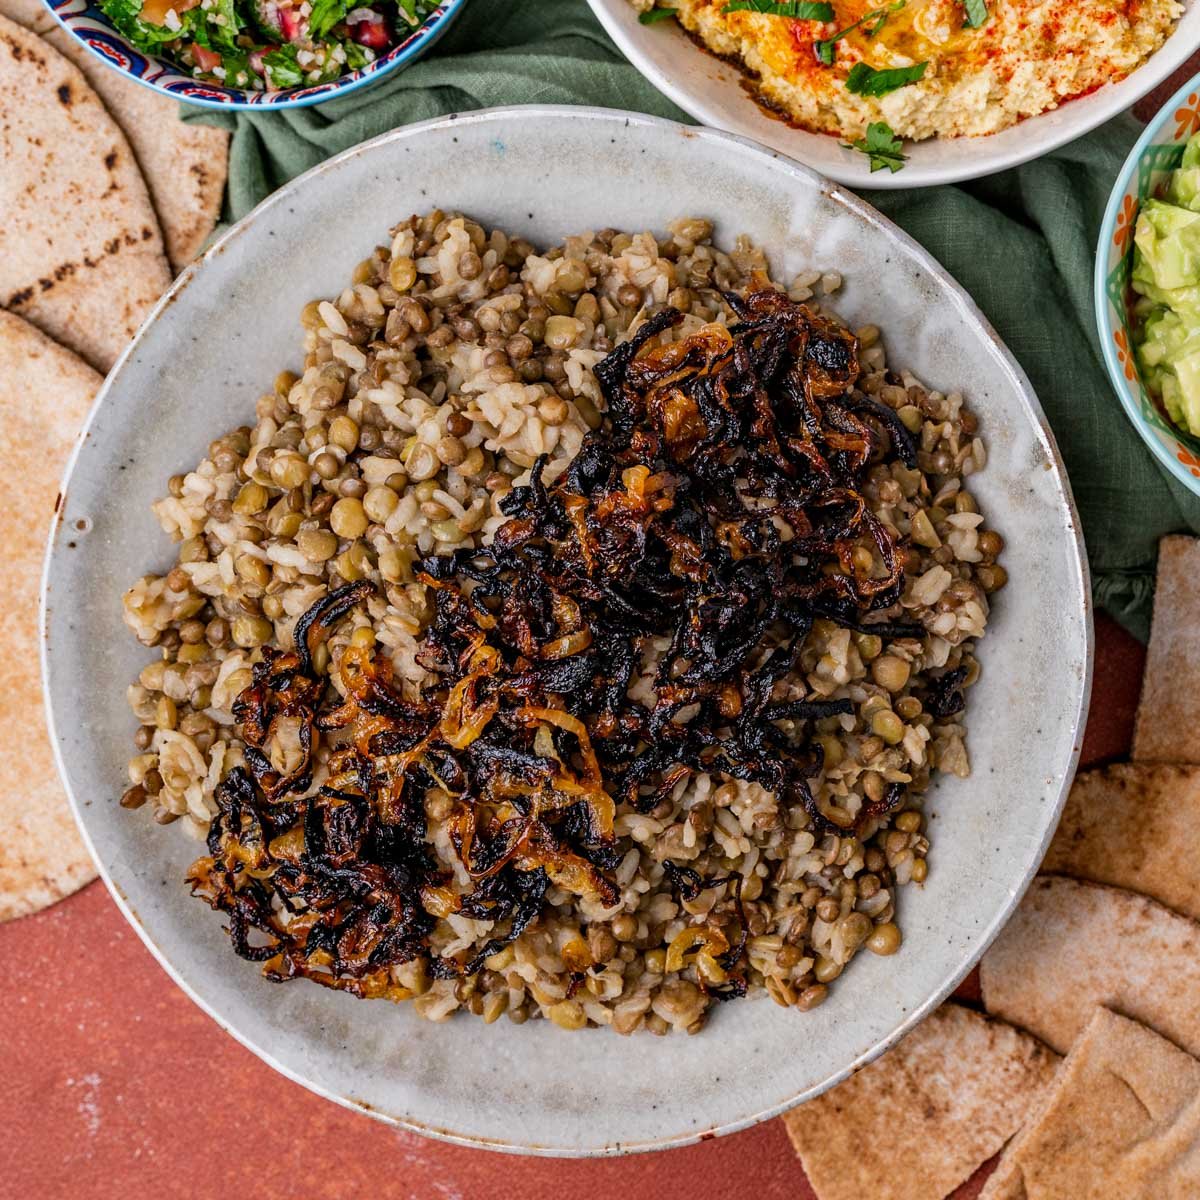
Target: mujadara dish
575, 637
923, 68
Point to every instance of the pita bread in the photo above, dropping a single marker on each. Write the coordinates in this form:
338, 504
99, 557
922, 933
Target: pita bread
1121, 1120
33, 14
1168, 716
183, 165
80, 252
1071, 946
45, 392
1133, 825
918, 1121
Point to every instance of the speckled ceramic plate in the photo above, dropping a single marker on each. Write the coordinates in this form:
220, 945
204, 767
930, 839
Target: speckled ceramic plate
219, 338
711, 91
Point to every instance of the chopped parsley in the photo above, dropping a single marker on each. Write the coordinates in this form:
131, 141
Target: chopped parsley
881, 146
283, 68
977, 13
871, 24
802, 10
236, 64
867, 81
228, 40
356, 56
325, 15
655, 15
224, 24
145, 36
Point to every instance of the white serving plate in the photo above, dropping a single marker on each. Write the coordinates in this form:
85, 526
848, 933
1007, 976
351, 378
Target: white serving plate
218, 339
711, 90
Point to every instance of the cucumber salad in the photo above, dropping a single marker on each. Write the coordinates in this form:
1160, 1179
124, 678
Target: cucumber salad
266, 44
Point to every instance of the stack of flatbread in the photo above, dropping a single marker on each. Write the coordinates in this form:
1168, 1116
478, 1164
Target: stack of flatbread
1100, 963
104, 193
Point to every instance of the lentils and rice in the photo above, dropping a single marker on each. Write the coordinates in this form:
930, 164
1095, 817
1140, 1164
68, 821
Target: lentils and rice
456, 361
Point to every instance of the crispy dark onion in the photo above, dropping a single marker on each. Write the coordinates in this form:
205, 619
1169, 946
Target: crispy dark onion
717, 514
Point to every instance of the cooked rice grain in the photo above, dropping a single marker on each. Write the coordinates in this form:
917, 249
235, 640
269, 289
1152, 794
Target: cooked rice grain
429, 387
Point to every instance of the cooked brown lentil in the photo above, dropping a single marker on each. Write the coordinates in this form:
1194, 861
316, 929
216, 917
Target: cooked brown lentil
429, 387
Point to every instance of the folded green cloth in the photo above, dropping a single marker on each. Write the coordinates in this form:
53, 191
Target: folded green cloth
1020, 242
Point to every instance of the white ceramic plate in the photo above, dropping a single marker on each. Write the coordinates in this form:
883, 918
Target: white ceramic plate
219, 338
711, 91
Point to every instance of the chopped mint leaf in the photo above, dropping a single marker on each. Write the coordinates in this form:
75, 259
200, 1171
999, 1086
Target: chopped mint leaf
655, 15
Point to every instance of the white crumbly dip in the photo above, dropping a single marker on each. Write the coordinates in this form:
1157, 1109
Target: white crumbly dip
1027, 57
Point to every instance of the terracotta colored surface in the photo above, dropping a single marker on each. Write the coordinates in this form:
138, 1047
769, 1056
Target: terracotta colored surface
114, 1084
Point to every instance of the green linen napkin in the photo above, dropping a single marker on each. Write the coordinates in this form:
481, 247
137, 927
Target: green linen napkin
1020, 242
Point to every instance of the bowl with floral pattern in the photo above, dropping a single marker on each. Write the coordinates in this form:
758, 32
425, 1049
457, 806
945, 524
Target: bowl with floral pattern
1145, 172
87, 21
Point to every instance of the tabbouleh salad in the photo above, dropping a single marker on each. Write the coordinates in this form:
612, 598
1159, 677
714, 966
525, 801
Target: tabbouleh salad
266, 44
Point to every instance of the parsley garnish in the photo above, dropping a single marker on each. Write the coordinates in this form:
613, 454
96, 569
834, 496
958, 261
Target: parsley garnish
866, 81
655, 15
977, 13
881, 146
803, 10
871, 23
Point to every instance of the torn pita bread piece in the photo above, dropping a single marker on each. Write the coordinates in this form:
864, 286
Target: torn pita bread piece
81, 256
1134, 825
1071, 946
1168, 716
920, 1120
45, 392
1122, 1119
183, 165
33, 14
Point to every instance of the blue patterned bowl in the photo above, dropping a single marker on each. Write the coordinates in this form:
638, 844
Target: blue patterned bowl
1157, 152
84, 20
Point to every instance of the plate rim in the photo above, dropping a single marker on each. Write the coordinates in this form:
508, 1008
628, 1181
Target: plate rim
1123, 95
1080, 579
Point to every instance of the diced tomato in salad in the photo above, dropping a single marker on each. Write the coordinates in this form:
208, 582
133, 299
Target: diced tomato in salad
370, 31
204, 58
268, 44
289, 24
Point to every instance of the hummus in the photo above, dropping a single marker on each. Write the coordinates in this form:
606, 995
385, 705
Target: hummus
1027, 57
